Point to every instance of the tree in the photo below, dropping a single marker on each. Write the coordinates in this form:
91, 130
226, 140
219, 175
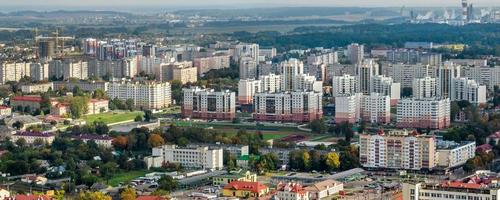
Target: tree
332, 161
155, 140
77, 91
167, 183
89, 195
45, 104
21, 142
318, 126
148, 115
99, 94
101, 128
78, 106
128, 194
130, 104
120, 142
138, 118
107, 170
18, 125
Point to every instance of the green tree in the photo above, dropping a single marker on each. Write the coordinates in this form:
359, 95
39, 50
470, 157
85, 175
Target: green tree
167, 183
130, 104
78, 106
148, 115
99, 94
318, 126
138, 118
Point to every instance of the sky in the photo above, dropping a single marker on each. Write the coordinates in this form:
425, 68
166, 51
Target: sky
61, 4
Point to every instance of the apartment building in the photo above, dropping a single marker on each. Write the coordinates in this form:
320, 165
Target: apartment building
365, 71
41, 87
246, 89
208, 63
13, 71
424, 87
145, 94
423, 113
31, 137
248, 68
373, 108
489, 76
464, 89
452, 154
208, 104
386, 86
77, 70
88, 86
199, 158
327, 58
289, 71
355, 53
406, 73
185, 74
287, 106
39, 71
477, 189
343, 85
397, 150
238, 51
347, 108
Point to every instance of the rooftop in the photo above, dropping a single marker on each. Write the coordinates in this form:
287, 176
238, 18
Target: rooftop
35, 134
37, 99
254, 187
92, 137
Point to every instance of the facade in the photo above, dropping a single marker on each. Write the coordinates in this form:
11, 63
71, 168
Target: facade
39, 71
406, 73
148, 95
185, 74
347, 108
215, 62
78, 70
33, 88
201, 157
465, 89
246, 89
288, 106
343, 85
88, 86
355, 53
97, 106
452, 154
5, 110
365, 71
244, 189
489, 76
375, 108
289, 70
328, 58
241, 50
101, 140
31, 137
248, 68
291, 191
424, 87
386, 86
223, 180
165, 71
33, 102
208, 104
324, 189
423, 113
445, 75
13, 71
450, 190
305, 82
397, 151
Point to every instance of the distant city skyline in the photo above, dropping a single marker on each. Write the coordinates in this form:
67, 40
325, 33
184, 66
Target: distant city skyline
95, 4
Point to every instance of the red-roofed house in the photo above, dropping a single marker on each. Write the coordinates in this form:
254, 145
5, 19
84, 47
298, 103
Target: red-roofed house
29, 197
5, 110
150, 198
485, 148
244, 189
495, 137
31, 101
95, 106
291, 191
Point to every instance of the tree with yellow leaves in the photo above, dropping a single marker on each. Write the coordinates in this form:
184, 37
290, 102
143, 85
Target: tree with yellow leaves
128, 194
89, 195
155, 140
332, 160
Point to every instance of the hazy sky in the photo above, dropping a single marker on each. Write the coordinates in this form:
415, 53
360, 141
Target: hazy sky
241, 3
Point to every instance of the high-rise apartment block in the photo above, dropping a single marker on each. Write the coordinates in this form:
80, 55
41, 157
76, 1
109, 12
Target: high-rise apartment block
386, 86
424, 87
13, 71
146, 94
248, 68
365, 71
287, 106
423, 113
465, 89
208, 63
355, 53
208, 104
344, 85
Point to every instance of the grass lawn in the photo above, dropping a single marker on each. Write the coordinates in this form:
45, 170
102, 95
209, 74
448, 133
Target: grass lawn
112, 117
125, 177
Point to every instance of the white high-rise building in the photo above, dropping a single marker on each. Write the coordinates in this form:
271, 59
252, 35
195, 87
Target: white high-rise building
404, 74
245, 50
198, 158
39, 71
343, 85
78, 70
347, 108
424, 87
375, 108
489, 76
270, 83
147, 94
386, 86
365, 71
468, 90
246, 89
248, 68
13, 71
289, 70
208, 104
355, 53
305, 82
423, 113
288, 106
328, 58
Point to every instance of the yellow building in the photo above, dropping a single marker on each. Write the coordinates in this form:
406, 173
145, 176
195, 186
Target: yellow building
243, 189
228, 178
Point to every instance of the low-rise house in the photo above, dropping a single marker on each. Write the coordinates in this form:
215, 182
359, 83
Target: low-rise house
25, 120
291, 191
243, 189
493, 138
4, 194
5, 110
31, 136
101, 140
324, 189
29, 197
41, 87
39, 180
95, 106
239, 176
